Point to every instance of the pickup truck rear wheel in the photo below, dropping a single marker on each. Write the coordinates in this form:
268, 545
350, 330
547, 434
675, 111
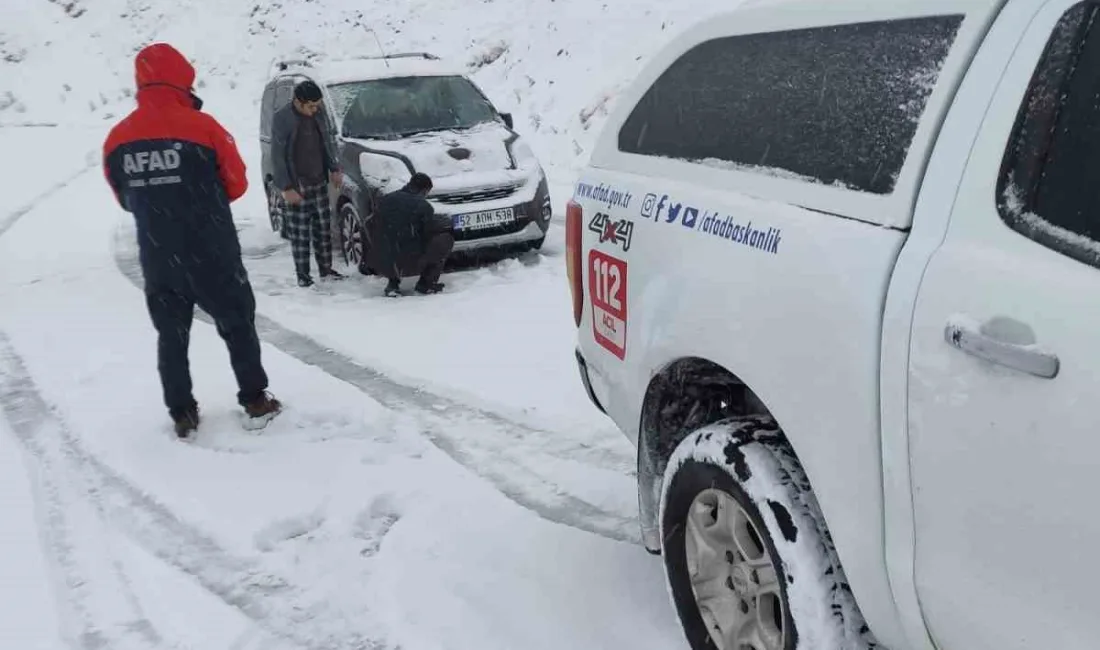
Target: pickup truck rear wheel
749, 563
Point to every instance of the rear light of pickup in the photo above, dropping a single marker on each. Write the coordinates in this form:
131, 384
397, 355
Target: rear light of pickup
574, 217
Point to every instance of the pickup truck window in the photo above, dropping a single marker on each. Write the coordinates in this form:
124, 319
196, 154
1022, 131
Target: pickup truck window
1048, 189
837, 105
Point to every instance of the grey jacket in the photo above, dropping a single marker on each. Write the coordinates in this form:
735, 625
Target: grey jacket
284, 128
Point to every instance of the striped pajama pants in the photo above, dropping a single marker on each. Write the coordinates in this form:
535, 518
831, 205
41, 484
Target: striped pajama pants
310, 220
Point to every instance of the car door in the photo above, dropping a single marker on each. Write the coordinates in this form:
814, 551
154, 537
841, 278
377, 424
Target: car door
267, 111
282, 91
1004, 375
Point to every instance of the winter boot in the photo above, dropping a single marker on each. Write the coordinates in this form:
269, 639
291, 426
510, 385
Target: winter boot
186, 422
428, 289
330, 274
304, 281
265, 404
393, 288
262, 409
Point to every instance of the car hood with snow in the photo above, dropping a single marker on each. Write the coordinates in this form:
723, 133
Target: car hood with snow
488, 154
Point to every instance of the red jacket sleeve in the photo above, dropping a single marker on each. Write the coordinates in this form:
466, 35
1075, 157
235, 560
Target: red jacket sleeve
231, 167
108, 147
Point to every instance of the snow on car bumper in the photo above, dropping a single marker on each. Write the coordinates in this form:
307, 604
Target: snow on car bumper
529, 233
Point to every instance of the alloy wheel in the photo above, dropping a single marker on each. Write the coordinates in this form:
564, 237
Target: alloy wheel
274, 210
351, 235
732, 574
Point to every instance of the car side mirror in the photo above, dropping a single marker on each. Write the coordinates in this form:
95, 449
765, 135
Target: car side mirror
507, 117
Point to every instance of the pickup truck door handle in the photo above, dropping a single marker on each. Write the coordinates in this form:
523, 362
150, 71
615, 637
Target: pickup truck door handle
992, 342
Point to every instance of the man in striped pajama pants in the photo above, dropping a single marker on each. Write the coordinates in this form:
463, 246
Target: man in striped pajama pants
304, 163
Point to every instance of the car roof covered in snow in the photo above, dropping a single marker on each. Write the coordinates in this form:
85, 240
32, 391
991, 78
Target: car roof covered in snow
335, 71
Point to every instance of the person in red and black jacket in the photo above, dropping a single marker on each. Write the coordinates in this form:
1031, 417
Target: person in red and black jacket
176, 169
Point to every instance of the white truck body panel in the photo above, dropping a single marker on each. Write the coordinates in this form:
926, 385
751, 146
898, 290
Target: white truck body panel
1003, 462
805, 317
932, 216
819, 312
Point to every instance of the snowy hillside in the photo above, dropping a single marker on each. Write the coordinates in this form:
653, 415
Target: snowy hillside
557, 64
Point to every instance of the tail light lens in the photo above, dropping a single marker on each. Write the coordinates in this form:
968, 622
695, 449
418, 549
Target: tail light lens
574, 217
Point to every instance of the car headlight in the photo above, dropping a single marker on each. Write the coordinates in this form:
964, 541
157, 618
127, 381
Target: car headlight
385, 172
523, 155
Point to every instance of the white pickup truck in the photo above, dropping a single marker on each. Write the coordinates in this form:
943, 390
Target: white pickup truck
836, 272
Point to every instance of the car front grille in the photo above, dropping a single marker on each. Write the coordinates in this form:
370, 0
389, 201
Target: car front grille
475, 196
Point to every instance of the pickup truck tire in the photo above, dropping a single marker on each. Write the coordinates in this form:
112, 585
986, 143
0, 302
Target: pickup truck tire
748, 560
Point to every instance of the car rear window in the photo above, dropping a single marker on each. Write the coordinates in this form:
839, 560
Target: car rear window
836, 105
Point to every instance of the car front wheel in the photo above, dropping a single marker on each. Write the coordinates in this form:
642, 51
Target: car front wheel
275, 211
351, 235
749, 563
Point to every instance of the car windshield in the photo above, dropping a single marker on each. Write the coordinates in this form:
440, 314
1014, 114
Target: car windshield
389, 108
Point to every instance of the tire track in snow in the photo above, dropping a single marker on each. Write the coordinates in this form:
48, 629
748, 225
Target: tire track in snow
69, 473
70, 521
10, 220
501, 451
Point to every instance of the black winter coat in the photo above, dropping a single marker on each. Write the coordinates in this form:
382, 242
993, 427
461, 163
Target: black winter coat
401, 227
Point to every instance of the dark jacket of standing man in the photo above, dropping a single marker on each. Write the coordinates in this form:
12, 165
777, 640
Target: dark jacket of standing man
407, 238
177, 170
303, 159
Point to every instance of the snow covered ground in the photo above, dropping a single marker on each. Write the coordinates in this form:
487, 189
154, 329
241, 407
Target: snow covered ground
411, 519
439, 480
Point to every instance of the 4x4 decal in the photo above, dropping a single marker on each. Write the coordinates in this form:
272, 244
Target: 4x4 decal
619, 232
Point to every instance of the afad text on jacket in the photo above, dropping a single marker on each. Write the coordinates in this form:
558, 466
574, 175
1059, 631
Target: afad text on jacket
176, 170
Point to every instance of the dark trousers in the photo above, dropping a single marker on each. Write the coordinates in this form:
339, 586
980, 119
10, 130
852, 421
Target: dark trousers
430, 265
310, 219
231, 304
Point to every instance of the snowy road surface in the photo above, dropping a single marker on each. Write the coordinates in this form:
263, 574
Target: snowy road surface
437, 481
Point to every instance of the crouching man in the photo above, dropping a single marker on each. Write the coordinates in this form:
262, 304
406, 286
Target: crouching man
407, 238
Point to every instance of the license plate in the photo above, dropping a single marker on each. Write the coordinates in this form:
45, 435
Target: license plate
481, 220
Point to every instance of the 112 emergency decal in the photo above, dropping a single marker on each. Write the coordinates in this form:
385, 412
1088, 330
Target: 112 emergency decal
607, 287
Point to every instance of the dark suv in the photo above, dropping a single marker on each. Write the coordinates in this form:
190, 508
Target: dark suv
400, 114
